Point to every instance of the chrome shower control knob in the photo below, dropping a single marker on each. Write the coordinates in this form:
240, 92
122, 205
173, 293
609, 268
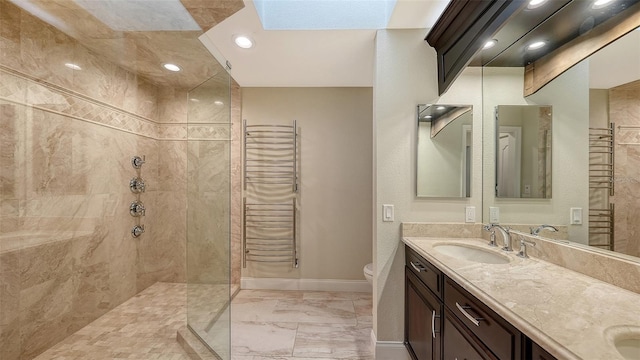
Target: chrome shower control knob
137, 185
136, 209
137, 161
137, 230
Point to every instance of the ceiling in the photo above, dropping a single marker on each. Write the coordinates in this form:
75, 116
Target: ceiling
309, 58
141, 35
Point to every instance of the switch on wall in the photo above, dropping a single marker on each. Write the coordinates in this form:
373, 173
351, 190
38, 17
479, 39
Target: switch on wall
387, 212
575, 216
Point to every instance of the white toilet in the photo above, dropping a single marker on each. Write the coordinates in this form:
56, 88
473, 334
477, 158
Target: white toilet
368, 273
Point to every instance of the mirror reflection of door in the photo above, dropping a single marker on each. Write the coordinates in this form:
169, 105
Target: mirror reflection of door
508, 166
466, 159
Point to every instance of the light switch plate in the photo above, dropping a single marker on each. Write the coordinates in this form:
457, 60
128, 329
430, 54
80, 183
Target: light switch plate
387, 212
575, 216
470, 214
494, 214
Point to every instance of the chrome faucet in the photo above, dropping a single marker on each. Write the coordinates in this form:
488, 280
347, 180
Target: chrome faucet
536, 231
506, 236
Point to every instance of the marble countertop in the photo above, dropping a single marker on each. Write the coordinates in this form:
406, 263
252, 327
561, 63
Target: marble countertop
571, 315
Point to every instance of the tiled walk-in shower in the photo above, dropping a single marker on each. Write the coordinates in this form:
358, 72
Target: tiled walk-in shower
283, 325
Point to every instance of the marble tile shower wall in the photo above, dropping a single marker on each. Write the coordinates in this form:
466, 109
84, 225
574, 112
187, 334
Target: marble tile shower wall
624, 111
66, 139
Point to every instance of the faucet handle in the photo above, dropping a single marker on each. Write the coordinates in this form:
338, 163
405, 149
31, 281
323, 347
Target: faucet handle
492, 238
523, 247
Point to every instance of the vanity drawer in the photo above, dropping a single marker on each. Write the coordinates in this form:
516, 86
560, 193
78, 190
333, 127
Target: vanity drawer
426, 272
504, 340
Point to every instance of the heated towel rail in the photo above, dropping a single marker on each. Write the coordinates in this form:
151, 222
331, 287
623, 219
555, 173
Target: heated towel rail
271, 183
601, 186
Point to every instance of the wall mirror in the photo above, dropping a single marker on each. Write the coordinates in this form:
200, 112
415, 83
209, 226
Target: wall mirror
523, 151
444, 149
596, 147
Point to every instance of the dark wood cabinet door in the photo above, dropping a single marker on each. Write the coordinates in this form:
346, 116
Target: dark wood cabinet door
459, 344
538, 353
422, 320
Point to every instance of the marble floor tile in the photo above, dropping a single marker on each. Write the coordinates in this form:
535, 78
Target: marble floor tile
262, 338
333, 341
265, 325
142, 328
316, 311
324, 325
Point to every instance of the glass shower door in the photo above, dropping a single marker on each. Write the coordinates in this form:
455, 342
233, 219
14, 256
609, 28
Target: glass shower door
208, 213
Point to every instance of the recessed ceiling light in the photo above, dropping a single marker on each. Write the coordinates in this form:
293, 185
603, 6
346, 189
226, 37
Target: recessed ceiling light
535, 3
243, 41
195, 100
489, 44
536, 45
440, 108
73, 66
427, 117
599, 4
172, 67
218, 103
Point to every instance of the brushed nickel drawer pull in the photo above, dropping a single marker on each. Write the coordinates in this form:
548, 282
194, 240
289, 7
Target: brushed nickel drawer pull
419, 267
463, 310
433, 323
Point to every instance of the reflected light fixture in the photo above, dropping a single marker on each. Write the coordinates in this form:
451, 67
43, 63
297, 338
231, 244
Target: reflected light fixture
427, 117
489, 44
599, 4
536, 45
535, 3
243, 41
73, 66
218, 103
172, 67
440, 108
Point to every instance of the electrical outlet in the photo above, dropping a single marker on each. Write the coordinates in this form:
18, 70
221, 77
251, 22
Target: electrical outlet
494, 214
470, 214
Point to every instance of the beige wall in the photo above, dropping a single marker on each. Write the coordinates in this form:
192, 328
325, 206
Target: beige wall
334, 199
405, 75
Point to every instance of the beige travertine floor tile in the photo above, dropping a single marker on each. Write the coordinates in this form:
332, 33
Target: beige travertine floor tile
142, 328
301, 325
265, 325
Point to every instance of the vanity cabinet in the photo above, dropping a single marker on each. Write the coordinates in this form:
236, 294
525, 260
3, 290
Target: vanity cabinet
445, 321
487, 332
537, 352
423, 308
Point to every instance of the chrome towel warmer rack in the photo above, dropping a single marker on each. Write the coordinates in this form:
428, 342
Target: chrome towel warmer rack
602, 186
270, 182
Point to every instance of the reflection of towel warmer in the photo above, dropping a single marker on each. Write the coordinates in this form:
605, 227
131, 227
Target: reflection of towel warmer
601, 186
271, 181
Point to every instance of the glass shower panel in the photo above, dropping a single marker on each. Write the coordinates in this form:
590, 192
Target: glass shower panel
208, 213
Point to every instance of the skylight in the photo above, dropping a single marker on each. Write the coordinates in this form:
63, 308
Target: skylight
324, 14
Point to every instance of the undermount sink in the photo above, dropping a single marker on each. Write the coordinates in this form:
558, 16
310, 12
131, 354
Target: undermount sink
629, 348
470, 253
626, 340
